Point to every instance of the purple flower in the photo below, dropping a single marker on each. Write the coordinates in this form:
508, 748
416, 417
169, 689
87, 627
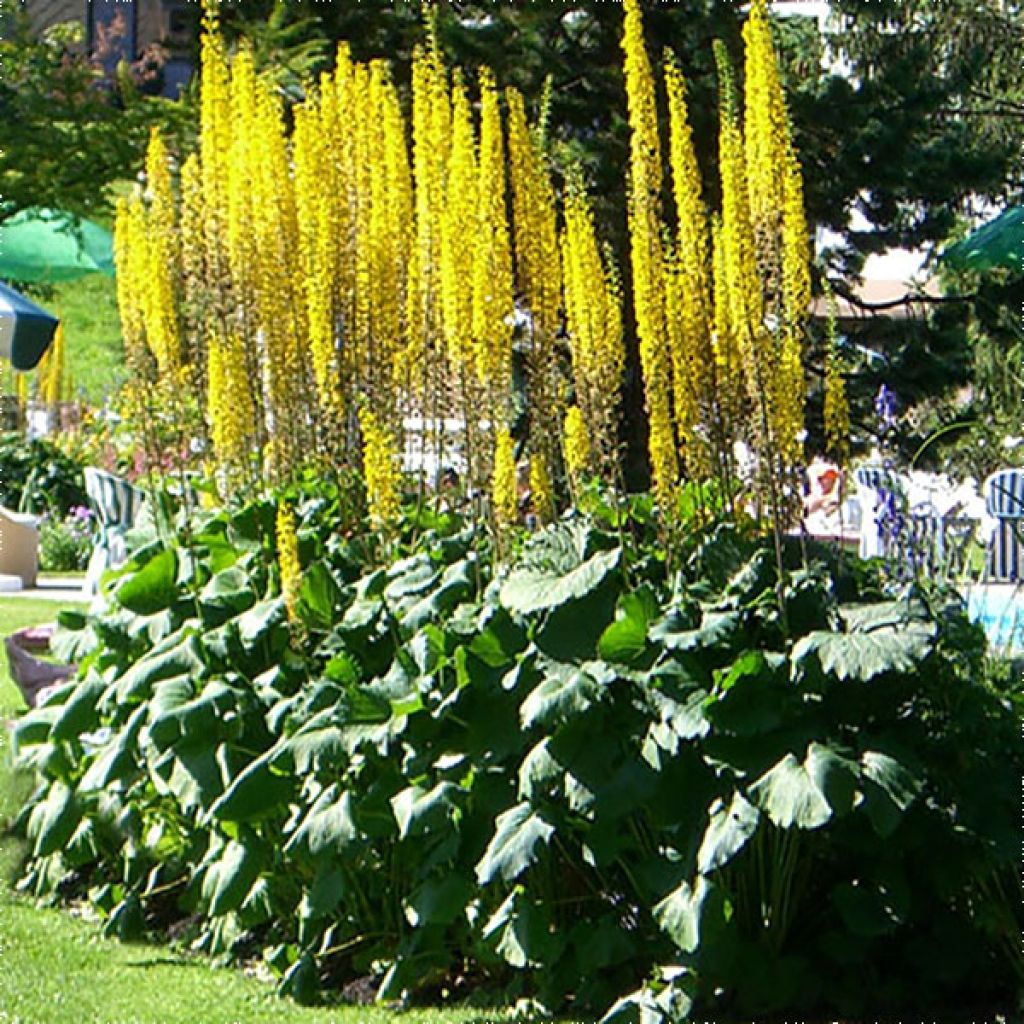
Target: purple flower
885, 407
82, 513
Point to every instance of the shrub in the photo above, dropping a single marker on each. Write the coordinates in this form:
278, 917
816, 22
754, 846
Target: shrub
36, 476
66, 544
586, 775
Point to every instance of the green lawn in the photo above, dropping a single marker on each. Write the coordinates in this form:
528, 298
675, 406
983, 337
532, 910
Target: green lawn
92, 335
55, 969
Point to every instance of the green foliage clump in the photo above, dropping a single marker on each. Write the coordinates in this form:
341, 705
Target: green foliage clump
584, 775
37, 476
65, 544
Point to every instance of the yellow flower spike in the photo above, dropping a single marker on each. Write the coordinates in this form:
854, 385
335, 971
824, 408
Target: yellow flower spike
160, 303
593, 302
21, 391
646, 254
796, 248
504, 491
765, 128
538, 267
230, 410
837, 408
576, 445
288, 558
131, 260
541, 492
379, 468
458, 226
492, 258
538, 261
689, 291
431, 142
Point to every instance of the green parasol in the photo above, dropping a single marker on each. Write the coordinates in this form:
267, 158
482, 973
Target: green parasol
48, 245
997, 244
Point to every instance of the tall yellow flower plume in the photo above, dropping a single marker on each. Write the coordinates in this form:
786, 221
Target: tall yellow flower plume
837, 407
161, 309
288, 561
689, 291
230, 409
765, 126
594, 318
492, 258
576, 445
646, 253
379, 468
21, 392
542, 495
504, 488
458, 228
538, 267
431, 141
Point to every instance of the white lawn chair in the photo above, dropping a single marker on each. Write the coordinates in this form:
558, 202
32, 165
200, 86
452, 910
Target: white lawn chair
1004, 502
872, 484
116, 504
19, 547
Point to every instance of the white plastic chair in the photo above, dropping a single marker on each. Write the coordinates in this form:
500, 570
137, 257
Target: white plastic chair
116, 504
19, 546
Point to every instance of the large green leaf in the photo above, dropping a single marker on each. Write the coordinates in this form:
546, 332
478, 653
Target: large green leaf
539, 768
80, 713
175, 714
178, 655
228, 593
153, 587
455, 585
889, 790
625, 639
717, 629
861, 657
256, 793
524, 931
117, 760
790, 796
730, 828
317, 745
567, 690
329, 824
513, 847
229, 879
319, 597
265, 620
679, 913
418, 809
53, 820
438, 900
534, 589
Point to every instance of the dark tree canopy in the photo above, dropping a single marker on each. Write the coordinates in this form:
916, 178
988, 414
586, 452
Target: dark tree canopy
65, 133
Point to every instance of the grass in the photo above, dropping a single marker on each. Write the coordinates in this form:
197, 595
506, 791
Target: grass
55, 969
94, 362
94, 357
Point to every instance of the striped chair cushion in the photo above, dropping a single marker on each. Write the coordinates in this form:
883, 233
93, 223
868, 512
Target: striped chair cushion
1004, 494
878, 478
1004, 501
115, 501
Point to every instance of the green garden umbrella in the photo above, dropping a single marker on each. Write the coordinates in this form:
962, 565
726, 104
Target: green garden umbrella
25, 330
997, 244
47, 245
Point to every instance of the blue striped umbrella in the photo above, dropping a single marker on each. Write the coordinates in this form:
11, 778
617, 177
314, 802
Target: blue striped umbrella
25, 330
